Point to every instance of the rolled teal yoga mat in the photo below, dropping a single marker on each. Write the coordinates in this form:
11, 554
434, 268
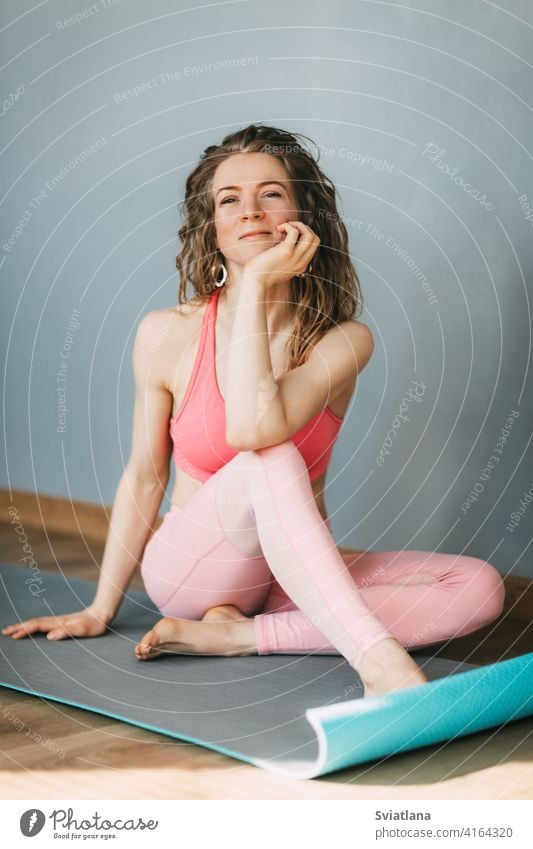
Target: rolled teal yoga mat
297, 715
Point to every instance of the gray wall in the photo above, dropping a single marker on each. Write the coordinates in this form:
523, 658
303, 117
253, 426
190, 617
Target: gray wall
424, 120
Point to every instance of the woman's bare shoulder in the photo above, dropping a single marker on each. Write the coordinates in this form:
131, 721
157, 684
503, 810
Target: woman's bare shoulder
163, 335
167, 325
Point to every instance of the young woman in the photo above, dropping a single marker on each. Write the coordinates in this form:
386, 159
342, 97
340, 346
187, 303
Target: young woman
247, 384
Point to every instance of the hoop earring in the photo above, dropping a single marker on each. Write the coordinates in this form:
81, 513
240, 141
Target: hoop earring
218, 282
307, 271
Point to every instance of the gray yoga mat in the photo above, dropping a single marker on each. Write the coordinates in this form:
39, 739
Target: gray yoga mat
298, 715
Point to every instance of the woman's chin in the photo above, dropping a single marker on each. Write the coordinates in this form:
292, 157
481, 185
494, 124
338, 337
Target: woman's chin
253, 249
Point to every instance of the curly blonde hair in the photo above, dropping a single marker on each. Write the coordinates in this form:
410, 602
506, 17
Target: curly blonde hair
324, 298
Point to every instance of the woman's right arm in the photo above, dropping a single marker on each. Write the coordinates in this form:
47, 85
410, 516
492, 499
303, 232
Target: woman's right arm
137, 500
134, 512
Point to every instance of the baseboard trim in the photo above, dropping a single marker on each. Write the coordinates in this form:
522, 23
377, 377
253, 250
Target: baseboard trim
51, 513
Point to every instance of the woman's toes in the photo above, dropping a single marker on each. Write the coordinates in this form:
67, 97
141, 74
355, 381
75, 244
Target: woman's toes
147, 647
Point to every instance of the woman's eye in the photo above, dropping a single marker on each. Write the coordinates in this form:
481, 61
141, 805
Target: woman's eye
272, 193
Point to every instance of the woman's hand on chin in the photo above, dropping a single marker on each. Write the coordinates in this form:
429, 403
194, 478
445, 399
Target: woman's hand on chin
287, 259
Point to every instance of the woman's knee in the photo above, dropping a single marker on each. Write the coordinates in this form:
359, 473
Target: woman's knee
487, 590
281, 456
286, 448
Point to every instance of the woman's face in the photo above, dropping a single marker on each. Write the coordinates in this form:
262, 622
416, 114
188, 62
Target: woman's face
251, 192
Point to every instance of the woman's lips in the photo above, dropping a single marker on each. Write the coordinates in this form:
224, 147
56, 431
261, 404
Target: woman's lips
255, 235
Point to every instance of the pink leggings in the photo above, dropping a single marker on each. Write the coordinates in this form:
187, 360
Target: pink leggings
252, 536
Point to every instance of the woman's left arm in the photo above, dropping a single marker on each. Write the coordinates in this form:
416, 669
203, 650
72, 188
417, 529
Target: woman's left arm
251, 394
261, 411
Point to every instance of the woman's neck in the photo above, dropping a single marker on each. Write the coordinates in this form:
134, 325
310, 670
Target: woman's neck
279, 314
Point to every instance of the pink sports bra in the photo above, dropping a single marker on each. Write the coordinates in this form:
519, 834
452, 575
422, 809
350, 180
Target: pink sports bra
199, 427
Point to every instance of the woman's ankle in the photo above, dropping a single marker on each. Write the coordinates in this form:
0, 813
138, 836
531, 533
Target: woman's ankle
242, 636
383, 660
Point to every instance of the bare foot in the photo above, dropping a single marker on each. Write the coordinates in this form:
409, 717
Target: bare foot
387, 667
223, 630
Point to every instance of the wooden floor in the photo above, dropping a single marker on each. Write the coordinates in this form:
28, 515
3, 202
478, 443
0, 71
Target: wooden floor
83, 755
